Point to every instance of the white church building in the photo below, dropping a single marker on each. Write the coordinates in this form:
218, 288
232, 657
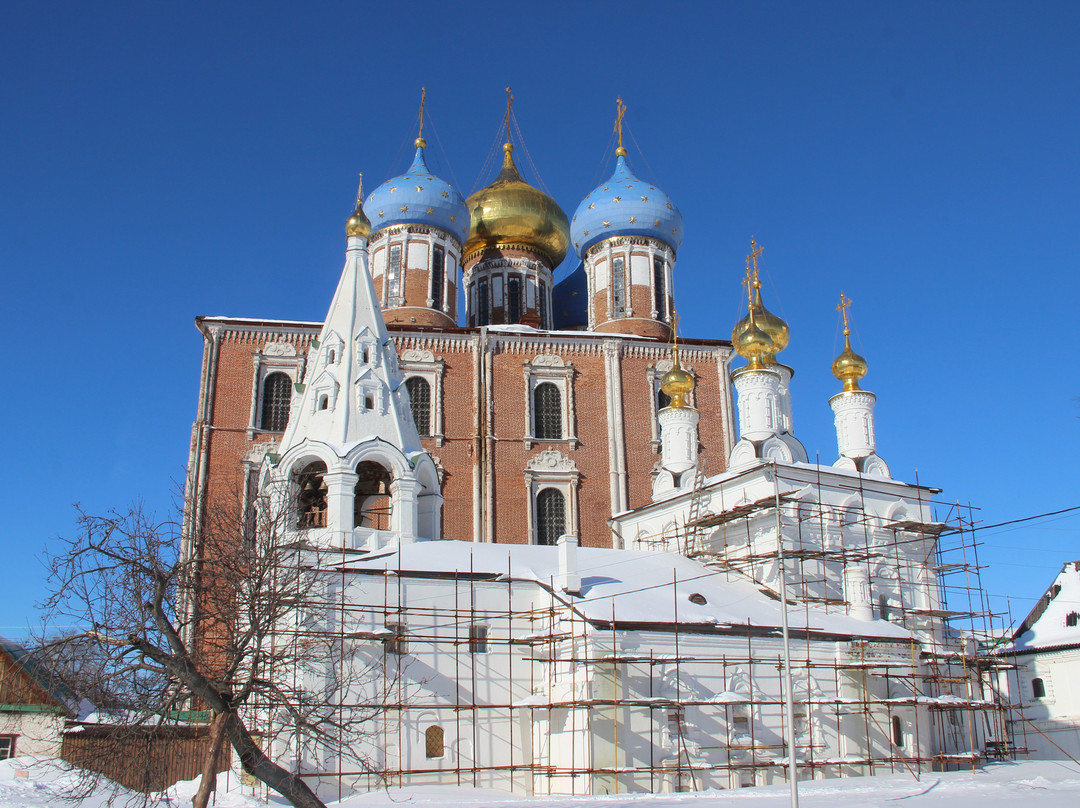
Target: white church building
782, 605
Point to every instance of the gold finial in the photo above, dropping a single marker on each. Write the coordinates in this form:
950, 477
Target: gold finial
848, 367
506, 120
358, 224
620, 108
420, 142
763, 319
676, 383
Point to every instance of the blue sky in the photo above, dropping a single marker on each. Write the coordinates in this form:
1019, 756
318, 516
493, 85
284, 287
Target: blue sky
160, 161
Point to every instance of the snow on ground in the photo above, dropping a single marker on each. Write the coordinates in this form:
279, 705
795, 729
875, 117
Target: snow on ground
29, 783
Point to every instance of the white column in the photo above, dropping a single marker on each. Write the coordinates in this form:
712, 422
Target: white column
857, 592
405, 518
854, 418
340, 493
678, 438
757, 393
783, 398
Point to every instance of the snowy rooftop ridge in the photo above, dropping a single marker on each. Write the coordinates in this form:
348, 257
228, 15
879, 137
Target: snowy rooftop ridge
1055, 620
630, 586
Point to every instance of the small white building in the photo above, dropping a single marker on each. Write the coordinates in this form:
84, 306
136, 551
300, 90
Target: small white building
1046, 650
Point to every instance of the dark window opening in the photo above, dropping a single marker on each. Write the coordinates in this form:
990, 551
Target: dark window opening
662, 400
434, 743
698, 598
397, 643
618, 287
333, 356
7, 746
277, 395
420, 404
311, 495
483, 305
369, 402
513, 301
659, 288
897, 732
1038, 689
324, 402
542, 304
393, 276
547, 412
372, 503
1071, 619
478, 639
550, 516
438, 271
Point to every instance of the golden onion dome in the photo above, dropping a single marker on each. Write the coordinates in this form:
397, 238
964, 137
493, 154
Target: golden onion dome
509, 211
849, 367
768, 322
753, 344
358, 224
677, 384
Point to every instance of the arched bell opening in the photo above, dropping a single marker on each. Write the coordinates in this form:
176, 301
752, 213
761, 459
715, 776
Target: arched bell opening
311, 490
372, 503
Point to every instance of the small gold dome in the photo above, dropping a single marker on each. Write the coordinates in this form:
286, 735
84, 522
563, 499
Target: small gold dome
753, 344
358, 224
510, 211
849, 367
768, 322
677, 384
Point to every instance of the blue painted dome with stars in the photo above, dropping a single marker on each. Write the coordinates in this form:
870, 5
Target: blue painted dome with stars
625, 206
418, 197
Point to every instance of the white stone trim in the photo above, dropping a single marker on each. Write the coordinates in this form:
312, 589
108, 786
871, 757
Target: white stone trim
550, 368
552, 469
423, 363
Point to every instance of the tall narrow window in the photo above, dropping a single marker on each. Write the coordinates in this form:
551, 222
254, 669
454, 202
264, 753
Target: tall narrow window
547, 412
541, 303
276, 395
483, 305
396, 643
420, 402
659, 288
1038, 689
7, 746
434, 742
438, 271
618, 288
550, 516
478, 639
897, 732
513, 301
393, 276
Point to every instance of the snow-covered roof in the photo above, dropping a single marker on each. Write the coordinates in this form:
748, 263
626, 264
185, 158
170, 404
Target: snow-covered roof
1055, 620
631, 586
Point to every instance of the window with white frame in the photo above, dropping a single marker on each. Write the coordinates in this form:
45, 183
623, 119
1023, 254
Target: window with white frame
552, 481
422, 365
438, 275
618, 287
393, 276
277, 368
549, 401
7, 746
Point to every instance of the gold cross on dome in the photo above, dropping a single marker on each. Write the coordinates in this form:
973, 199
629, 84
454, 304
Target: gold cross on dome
509, 107
845, 304
620, 113
748, 282
360, 190
423, 97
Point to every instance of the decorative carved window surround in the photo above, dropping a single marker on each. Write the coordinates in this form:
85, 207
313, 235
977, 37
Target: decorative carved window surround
274, 357
423, 363
550, 368
552, 469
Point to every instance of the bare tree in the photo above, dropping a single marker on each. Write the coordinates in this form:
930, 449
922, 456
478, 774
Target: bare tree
240, 626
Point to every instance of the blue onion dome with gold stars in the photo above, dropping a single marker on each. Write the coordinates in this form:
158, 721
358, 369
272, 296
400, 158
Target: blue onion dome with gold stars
625, 206
418, 197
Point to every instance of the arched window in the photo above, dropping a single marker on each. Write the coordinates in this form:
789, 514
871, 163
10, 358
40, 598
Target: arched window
311, 495
434, 741
438, 271
372, 505
550, 516
662, 400
897, 732
276, 395
547, 412
1038, 689
513, 301
420, 401
659, 288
